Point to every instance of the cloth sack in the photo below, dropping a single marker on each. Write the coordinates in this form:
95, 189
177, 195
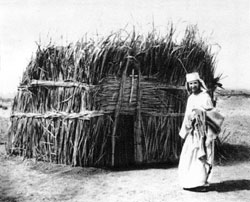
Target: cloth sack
214, 120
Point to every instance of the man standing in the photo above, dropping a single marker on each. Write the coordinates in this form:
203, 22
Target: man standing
198, 149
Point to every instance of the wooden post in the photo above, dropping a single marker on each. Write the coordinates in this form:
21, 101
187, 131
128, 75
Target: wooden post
132, 86
137, 127
78, 130
117, 111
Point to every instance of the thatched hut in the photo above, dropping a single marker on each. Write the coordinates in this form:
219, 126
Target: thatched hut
111, 102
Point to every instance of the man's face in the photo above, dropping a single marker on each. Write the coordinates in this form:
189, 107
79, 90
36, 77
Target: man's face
194, 86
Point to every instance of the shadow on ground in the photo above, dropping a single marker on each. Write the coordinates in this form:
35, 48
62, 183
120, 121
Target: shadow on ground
7, 199
225, 186
230, 185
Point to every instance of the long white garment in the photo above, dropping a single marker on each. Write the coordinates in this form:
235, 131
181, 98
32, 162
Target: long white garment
193, 171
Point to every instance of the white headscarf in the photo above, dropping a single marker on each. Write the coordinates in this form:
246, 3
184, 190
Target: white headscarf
195, 76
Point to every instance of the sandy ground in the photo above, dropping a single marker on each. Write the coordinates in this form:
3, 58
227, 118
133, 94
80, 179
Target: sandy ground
30, 181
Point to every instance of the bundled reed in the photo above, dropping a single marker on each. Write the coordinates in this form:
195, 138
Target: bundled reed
116, 101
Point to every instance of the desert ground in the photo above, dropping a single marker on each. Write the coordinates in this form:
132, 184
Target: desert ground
27, 180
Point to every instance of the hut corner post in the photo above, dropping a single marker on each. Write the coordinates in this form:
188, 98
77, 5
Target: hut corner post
137, 127
117, 112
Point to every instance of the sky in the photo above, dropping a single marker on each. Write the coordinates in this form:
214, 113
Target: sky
23, 23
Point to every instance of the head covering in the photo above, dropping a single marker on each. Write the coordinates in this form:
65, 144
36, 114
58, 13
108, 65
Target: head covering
192, 76
195, 76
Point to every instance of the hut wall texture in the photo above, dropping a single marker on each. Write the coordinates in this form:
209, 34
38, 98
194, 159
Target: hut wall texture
112, 102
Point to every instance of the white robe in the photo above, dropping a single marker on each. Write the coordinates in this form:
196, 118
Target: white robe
193, 172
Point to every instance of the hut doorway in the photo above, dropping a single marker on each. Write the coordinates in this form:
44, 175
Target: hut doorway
124, 149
